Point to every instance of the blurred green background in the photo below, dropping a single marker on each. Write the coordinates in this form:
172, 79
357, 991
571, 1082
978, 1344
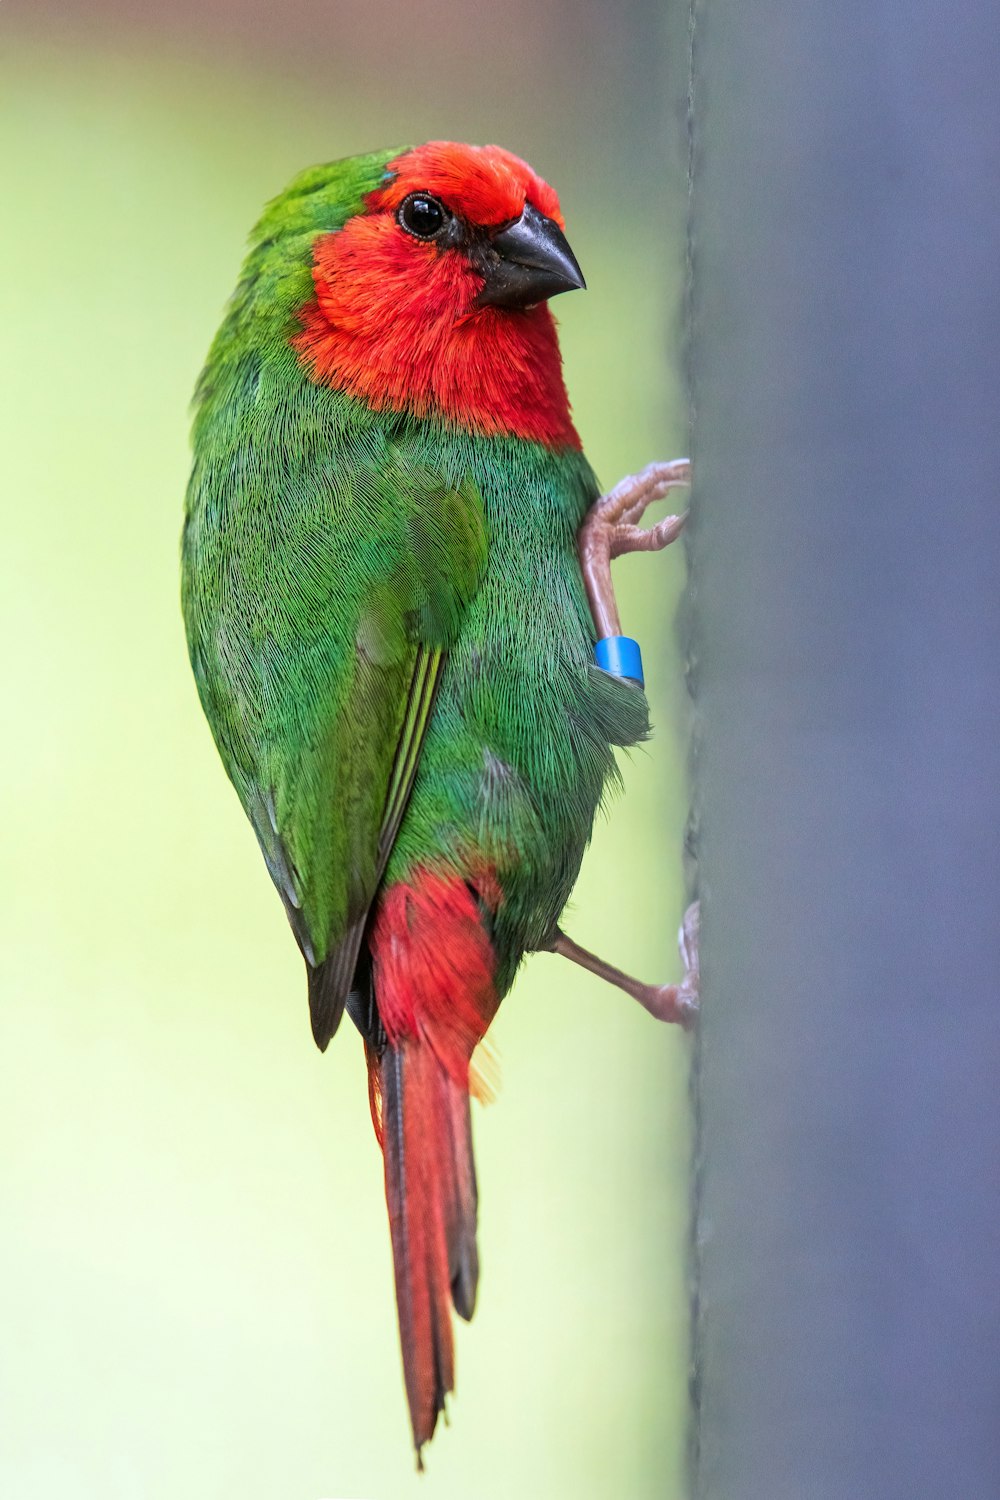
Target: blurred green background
195, 1279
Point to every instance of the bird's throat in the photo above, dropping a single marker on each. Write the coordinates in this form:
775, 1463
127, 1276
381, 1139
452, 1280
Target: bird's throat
397, 336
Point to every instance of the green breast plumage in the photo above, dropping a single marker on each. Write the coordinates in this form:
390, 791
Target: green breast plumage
331, 555
518, 750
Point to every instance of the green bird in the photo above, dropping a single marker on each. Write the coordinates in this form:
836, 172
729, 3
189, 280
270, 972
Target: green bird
395, 570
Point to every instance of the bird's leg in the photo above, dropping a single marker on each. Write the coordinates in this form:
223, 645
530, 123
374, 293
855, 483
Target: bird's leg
610, 528
667, 1002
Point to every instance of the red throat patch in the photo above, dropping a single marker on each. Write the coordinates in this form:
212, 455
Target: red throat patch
394, 320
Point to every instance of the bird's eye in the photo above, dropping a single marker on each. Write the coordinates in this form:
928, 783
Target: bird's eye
422, 216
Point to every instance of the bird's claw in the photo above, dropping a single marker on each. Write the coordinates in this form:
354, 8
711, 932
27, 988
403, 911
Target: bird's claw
632, 496
680, 1002
611, 528
628, 538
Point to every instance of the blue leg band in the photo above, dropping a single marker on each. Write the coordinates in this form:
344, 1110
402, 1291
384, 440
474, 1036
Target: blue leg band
620, 655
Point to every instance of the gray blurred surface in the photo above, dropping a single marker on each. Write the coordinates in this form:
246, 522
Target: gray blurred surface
846, 571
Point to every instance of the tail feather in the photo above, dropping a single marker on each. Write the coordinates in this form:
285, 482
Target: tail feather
463, 1253
432, 978
431, 1196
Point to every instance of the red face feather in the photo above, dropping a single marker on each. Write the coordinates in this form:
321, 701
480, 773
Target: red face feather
485, 184
394, 320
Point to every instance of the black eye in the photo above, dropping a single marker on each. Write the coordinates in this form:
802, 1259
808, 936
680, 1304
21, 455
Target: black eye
422, 216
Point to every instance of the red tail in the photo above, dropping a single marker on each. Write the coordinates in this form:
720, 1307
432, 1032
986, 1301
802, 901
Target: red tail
433, 976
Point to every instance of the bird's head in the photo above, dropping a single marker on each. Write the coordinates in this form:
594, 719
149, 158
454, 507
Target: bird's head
430, 300
466, 227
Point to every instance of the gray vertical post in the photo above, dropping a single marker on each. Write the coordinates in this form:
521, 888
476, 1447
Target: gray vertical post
845, 376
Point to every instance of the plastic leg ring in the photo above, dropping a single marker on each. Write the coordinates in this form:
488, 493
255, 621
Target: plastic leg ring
620, 655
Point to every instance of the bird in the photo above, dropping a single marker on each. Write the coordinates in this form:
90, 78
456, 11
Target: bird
395, 573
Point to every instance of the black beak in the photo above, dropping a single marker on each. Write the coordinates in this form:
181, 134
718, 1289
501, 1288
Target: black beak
527, 262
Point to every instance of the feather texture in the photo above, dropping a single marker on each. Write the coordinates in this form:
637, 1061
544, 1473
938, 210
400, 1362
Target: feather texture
432, 971
390, 637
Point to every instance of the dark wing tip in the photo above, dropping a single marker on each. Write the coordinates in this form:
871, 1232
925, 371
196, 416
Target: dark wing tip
329, 985
325, 1007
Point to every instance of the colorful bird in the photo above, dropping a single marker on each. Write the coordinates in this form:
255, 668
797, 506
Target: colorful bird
393, 636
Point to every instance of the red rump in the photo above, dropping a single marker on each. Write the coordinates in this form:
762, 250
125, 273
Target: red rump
394, 320
433, 969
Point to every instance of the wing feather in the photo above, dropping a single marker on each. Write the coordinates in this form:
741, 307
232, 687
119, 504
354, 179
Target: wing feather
321, 598
330, 982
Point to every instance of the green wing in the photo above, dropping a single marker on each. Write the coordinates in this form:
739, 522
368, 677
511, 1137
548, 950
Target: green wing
319, 612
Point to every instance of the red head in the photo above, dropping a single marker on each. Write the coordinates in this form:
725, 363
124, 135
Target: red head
433, 299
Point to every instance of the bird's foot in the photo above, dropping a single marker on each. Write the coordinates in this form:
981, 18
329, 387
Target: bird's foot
667, 1002
611, 528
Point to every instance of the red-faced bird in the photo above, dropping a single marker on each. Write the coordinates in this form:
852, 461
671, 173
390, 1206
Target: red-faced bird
393, 633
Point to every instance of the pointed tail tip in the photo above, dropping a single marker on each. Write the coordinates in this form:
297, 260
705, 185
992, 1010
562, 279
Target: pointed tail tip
425, 1425
431, 1198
